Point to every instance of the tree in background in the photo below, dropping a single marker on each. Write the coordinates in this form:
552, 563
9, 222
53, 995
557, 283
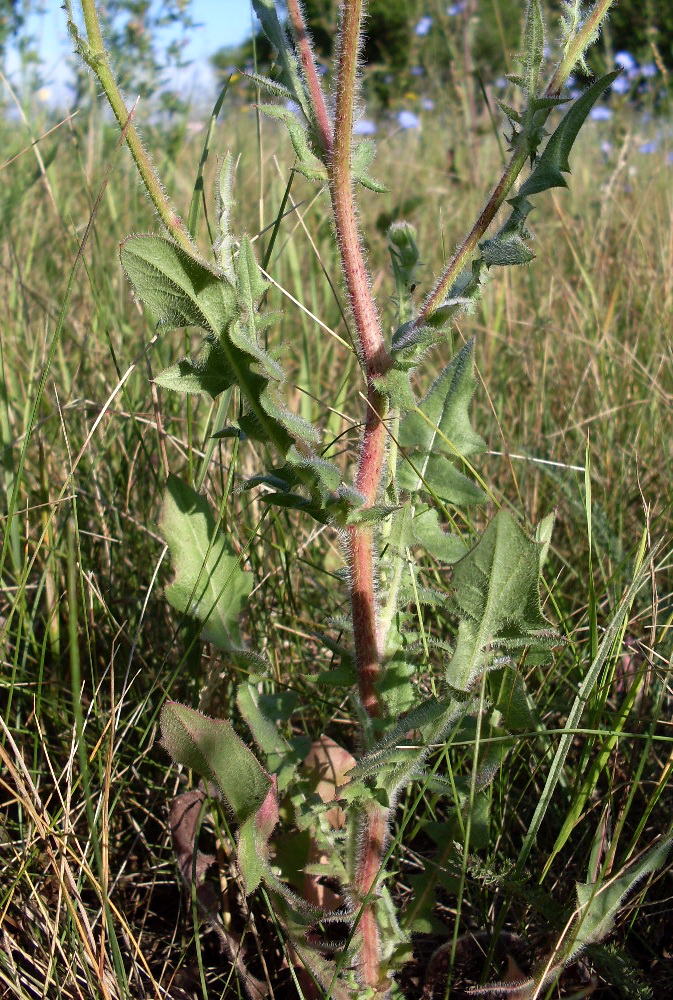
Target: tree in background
147, 40
14, 32
644, 28
12, 18
406, 38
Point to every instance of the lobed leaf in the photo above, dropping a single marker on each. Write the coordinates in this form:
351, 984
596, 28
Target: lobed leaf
553, 162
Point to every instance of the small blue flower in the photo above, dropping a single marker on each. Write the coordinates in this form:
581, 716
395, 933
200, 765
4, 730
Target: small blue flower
649, 147
621, 85
600, 114
364, 127
427, 103
606, 147
455, 8
501, 82
408, 120
648, 70
292, 106
626, 61
417, 71
423, 26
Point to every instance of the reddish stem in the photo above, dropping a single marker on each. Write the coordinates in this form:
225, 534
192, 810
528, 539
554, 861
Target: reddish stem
305, 49
361, 546
372, 845
374, 355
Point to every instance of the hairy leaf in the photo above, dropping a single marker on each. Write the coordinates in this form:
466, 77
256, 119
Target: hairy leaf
428, 532
363, 157
290, 78
496, 593
223, 246
179, 289
533, 44
598, 904
208, 374
209, 583
308, 163
438, 432
212, 749
183, 291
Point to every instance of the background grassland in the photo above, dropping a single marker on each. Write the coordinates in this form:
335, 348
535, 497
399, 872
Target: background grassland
574, 356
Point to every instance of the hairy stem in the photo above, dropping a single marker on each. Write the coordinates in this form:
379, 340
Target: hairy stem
574, 50
373, 355
577, 45
373, 837
469, 244
361, 542
95, 55
307, 58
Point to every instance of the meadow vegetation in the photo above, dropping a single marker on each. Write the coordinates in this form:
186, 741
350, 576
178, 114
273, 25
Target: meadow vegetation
574, 401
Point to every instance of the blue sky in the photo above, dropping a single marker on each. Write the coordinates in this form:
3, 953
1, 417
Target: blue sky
223, 22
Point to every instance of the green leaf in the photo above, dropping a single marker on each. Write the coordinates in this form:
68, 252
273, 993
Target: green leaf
396, 385
290, 78
506, 250
428, 532
308, 163
209, 583
395, 687
512, 114
496, 593
438, 432
212, 748
362, 159
179, 289
251, 284
223, 246
598, 904
387, 749
253, 844
512, 703
207, 375
553, 161
281, 758
410, 343
533, 45
183, 291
